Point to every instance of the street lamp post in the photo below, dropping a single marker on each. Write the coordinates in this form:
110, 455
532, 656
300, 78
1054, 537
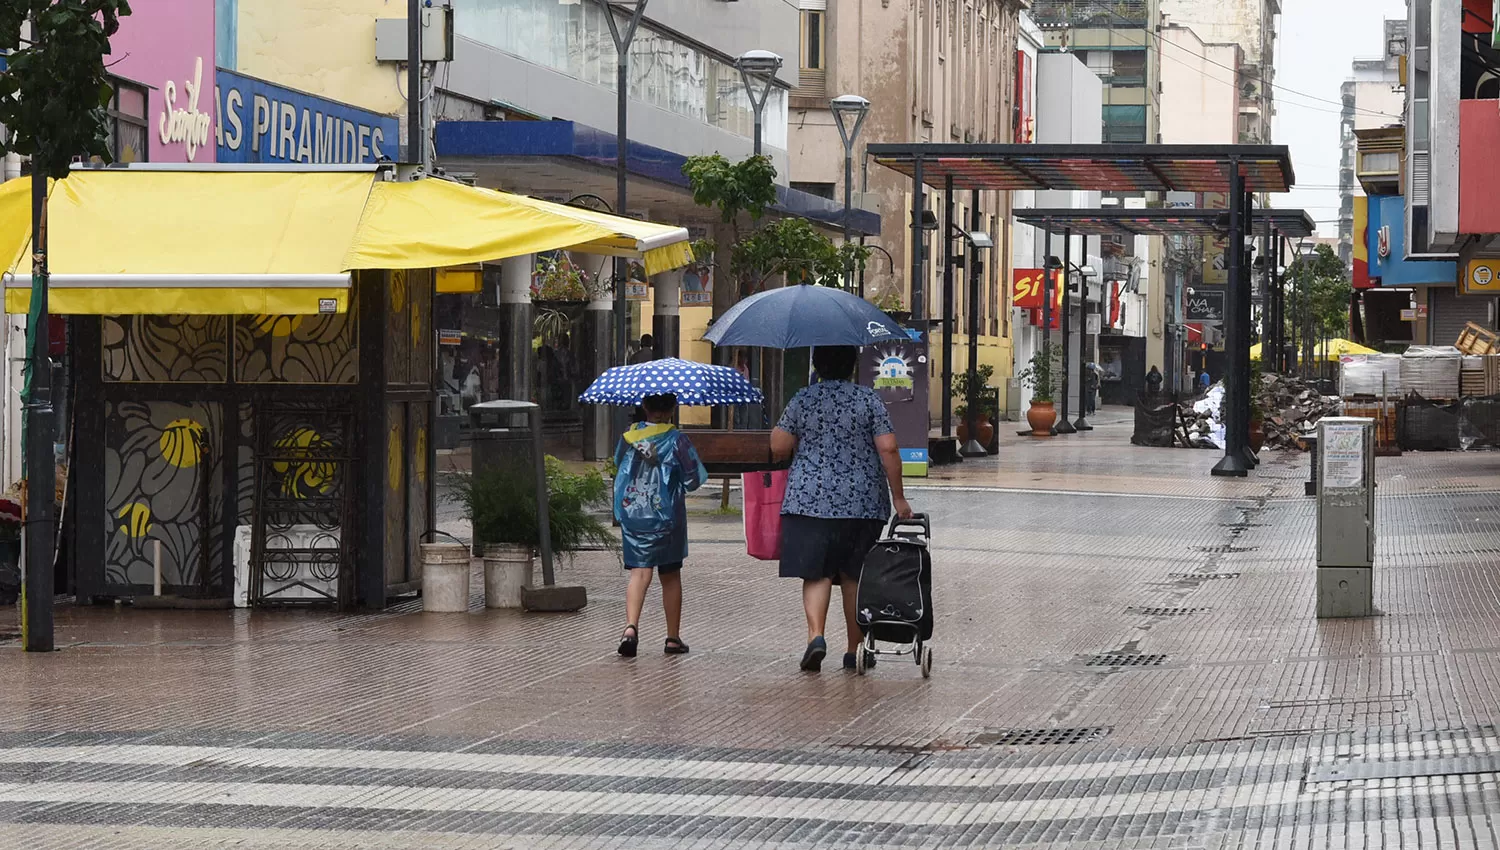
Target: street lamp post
849, 108
622, 30
758, 68
978, 241
758, 72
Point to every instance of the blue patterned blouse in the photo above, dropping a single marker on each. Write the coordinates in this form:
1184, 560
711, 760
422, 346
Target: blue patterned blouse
836, 472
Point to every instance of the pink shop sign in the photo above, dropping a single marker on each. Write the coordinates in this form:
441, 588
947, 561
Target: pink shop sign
168, 47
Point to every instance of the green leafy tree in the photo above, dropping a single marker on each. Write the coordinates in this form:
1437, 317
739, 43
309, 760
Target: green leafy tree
788, 246
55, 88
52, 100
1319, 293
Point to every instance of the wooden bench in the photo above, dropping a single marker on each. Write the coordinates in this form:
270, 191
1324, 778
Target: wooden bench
729, 454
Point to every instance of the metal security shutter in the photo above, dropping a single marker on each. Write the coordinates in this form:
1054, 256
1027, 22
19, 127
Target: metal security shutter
1449, 313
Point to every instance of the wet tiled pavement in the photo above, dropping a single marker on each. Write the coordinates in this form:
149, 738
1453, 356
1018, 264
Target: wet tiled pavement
1126, 658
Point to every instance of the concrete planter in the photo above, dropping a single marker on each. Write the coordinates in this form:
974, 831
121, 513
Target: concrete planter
507, 569
445, 577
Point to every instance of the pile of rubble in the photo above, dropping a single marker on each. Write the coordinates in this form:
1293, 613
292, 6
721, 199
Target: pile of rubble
1291, 409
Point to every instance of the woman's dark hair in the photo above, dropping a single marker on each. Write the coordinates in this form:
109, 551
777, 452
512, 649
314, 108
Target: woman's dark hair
662, 403
835, 362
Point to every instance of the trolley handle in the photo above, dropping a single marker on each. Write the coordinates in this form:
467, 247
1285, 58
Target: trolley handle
915, 521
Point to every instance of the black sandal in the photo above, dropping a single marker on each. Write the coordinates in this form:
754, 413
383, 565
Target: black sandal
628, 640
675, 646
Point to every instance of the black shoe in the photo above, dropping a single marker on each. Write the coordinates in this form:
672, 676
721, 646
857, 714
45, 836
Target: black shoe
675, 646
851, 661
628, 641
812, 659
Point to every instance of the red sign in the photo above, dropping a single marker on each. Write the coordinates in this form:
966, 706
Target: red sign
1026, 289
1025, 121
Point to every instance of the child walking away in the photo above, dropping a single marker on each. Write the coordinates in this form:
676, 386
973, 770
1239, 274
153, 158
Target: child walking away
657, 468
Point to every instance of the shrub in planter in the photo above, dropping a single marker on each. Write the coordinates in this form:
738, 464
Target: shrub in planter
501, 505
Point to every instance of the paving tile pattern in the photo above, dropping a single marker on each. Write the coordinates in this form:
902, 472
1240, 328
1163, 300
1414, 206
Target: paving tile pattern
1127, 657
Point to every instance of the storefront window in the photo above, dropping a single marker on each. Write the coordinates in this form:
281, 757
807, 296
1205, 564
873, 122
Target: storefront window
664, 72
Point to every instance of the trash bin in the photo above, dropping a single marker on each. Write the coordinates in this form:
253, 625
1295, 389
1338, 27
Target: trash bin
501, 436
508, 435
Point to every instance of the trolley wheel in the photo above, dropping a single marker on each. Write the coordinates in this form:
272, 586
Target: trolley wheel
861, 659
926, 662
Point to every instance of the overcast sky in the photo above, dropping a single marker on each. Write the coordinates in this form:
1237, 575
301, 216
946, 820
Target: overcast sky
1319, 38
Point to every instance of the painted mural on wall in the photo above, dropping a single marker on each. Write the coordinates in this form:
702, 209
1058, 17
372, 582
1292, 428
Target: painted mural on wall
161, 472
168, 47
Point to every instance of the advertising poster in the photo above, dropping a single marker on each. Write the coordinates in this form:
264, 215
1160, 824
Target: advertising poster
1215, 249
898, 370
1343, 456
697, 286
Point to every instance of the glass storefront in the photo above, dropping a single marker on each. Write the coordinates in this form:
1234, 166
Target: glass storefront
667, 73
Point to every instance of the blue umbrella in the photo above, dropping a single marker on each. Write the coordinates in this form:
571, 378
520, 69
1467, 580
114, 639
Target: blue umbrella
804, 316
697, 384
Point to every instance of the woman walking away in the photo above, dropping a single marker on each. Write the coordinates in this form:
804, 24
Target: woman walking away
846, 473
656, 469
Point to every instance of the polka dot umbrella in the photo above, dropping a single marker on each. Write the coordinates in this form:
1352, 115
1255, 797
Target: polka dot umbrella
694, 384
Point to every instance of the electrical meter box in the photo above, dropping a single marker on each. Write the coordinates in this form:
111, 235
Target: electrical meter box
1346, 517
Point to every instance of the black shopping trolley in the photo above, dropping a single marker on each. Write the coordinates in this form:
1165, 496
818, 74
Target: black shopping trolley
894, 599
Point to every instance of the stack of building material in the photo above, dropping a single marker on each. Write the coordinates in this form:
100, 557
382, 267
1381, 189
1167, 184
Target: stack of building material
1431, 372
1471, 376
1492, 374
1370, 376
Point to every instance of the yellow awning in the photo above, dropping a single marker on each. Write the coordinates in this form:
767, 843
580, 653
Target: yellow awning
1333, 349
144, 241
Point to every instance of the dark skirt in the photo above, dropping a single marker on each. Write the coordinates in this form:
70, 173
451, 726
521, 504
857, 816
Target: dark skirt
813, 548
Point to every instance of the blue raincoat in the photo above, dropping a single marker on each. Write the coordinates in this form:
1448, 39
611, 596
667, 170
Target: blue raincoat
657, 467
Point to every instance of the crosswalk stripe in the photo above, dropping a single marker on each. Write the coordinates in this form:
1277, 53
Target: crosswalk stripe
165, 756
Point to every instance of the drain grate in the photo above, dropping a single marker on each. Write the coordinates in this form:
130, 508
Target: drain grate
1133, 659
1203, 576
1041, 737
1224, 549
1166, 612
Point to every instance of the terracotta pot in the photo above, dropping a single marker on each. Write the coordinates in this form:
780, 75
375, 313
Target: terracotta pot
1257, 434
1041, 416
986, 430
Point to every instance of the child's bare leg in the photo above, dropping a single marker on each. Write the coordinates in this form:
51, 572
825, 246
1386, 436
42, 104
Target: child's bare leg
671, 602
635, 595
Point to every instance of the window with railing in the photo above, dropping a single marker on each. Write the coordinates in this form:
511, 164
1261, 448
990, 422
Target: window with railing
1091, 14
664, 72
1125, 123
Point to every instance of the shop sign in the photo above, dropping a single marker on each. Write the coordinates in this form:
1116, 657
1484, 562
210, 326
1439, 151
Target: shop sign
450, 337
1482, 277
1205, 305
1028, 287
1216, 248
697, 286
264, 122
169, 49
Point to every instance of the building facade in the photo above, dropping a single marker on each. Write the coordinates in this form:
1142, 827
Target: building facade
1372, 97
1117, 41
934, 71
1250, 24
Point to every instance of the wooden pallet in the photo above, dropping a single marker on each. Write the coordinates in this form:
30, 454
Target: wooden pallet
1477, 340
1492, 374
1385, 422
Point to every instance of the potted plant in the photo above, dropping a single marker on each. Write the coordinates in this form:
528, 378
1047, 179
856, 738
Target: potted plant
891, 303
1257, 434
986, 411
1041, 378
500, 504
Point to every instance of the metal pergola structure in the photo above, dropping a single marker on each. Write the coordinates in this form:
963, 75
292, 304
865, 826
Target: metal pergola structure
1238, 171
1274, 225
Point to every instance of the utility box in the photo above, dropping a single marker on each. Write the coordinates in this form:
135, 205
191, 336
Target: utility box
437, 36
1346, 517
